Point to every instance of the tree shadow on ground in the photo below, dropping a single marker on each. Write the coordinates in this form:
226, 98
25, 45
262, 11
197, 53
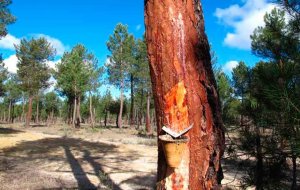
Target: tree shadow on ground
63, 156
138, 181
7, 131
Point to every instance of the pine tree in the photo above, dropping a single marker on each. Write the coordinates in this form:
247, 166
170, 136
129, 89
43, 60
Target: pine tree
120, 46
33, 71
73, 76
6, 17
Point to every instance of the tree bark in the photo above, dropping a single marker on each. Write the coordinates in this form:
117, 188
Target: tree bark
74, 112
119, 122
78, 116
37, 110
148, 121
9, 112
23, 109
184, 92
132, 101
91, 111
29, 112
78, 110
105, 118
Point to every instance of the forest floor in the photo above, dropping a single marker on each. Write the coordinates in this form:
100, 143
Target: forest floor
60, 157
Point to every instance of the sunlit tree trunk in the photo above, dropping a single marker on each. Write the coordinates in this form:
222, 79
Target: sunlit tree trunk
29, 112
185, 92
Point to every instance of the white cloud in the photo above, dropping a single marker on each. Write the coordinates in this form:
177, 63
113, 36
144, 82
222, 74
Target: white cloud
57, 44
229, 66
11, 63
243, 20
52, 64
8, 42
138, 27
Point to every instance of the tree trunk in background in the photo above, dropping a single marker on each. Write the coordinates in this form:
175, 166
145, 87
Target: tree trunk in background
184, 91
105, 118
37, 110
29, 112
148, 120
119, 122
74, 112
23, 109
132, 101
91, 111
78, 116
9, 112
79, 120
12, 113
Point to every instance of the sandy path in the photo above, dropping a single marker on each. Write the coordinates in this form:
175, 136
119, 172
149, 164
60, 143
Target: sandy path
31, 160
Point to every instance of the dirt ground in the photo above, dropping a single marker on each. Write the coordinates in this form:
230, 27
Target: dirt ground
60, 157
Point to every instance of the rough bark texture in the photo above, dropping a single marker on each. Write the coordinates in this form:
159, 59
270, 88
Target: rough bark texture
184, 91
29, 112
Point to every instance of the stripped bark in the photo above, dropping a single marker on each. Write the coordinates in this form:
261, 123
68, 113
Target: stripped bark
184, 91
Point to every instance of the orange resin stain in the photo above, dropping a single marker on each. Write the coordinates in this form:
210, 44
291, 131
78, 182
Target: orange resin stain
176, 109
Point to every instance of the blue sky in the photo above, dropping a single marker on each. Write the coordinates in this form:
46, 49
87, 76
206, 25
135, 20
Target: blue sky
69, 22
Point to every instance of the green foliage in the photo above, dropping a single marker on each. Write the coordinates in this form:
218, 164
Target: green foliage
274, 41
51, 102
229, 105
6, 17
33, 72
121, 47
3, 77
12, 88
74, 72
241, 79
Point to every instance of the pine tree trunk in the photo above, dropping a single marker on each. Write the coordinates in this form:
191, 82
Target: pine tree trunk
9, 110
12, 113
74, 112
105, 118
23, 109
37, 110
78, 116
91, 111
29, 112
78, 110
119, 122
184, 92
148, 120
132, 101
